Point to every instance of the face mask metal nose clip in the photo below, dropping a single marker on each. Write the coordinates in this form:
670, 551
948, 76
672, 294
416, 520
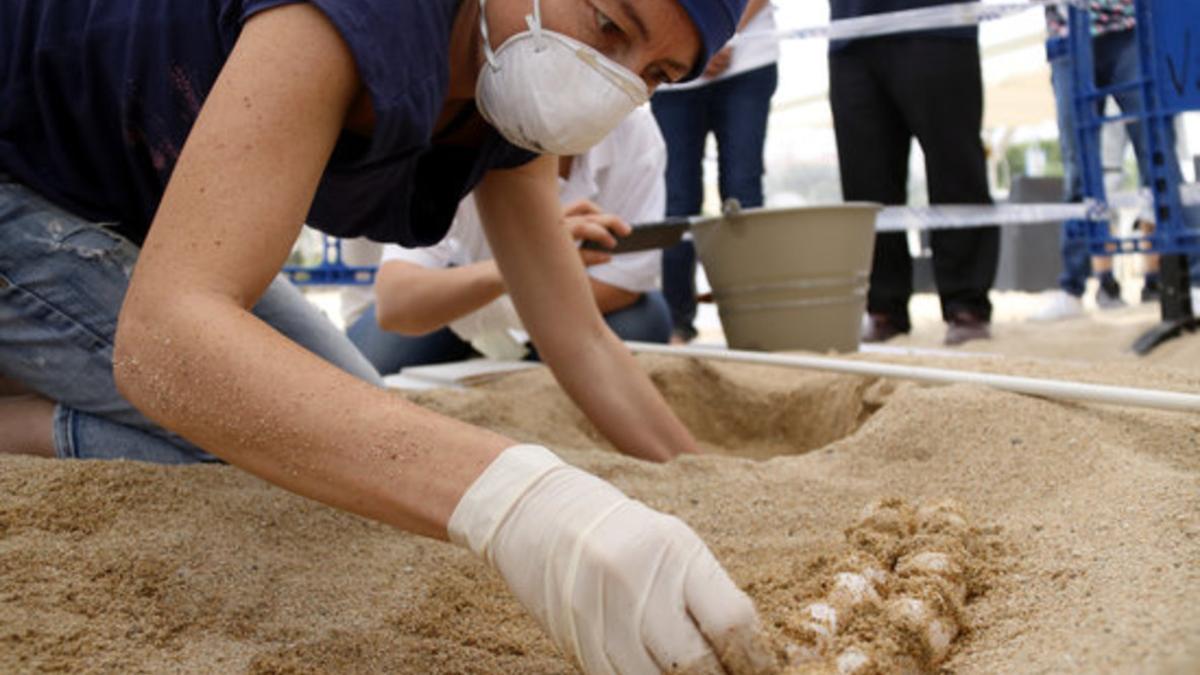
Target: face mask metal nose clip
623, 79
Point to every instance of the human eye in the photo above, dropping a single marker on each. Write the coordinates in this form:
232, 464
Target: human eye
607, 25
659, 76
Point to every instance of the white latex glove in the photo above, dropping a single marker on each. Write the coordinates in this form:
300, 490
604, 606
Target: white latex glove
619, 587
490, 328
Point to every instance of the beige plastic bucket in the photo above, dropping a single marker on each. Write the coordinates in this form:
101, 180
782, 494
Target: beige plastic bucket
790, 279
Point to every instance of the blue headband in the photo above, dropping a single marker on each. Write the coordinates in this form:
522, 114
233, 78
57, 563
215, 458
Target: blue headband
716, 21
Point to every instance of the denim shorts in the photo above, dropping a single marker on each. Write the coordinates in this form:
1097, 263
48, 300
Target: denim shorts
62, 282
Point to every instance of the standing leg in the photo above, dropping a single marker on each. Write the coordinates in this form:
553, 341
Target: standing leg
741, 106
679, 288
1120, 64
939, 84
683, 118
1114, 138
1076, 262
873, 150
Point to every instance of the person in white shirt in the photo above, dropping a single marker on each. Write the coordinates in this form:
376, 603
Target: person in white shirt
447, 302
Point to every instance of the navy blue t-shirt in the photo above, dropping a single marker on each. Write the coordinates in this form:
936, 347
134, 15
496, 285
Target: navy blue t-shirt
98, 97
849, 9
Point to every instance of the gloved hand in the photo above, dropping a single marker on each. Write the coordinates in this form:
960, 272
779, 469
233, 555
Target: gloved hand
619, 587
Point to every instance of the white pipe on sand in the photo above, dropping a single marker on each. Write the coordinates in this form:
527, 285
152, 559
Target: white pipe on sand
1061, 389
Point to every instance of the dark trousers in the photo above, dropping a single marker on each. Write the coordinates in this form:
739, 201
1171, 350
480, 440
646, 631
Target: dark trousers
735, 111
885, 92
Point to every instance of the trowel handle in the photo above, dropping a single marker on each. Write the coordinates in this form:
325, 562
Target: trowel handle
646, 236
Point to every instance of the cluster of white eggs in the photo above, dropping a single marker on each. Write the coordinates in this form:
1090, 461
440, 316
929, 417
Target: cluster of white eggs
921, 593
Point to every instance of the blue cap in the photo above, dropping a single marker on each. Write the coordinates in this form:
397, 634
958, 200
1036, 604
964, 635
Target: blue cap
716, 21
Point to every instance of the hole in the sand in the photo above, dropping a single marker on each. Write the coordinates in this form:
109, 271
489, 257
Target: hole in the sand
763, 412
756, 412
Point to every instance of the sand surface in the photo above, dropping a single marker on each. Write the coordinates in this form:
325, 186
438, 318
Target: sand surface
994, 532
1098, 336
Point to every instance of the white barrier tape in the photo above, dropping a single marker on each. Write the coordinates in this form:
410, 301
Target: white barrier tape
941, 217
958, 15
902, 218
1178, 401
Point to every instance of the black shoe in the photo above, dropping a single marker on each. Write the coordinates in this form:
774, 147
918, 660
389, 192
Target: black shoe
966, 326
1152, 291
683, 335
881, 328
1108, 296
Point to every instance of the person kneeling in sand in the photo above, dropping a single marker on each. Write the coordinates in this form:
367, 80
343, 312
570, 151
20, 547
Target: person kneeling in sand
157, 161
448, 302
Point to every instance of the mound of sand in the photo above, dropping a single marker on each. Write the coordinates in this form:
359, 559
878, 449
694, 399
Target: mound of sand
893, 527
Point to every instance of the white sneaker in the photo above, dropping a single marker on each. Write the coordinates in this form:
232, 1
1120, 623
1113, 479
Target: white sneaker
1057, 306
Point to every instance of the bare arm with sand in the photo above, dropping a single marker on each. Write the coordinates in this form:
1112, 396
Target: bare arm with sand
191, 356
518, 208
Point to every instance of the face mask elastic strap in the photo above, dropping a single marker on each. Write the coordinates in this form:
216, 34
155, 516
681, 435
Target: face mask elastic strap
534, 22
483, 32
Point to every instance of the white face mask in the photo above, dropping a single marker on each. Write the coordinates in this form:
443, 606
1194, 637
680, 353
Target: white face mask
552, 94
